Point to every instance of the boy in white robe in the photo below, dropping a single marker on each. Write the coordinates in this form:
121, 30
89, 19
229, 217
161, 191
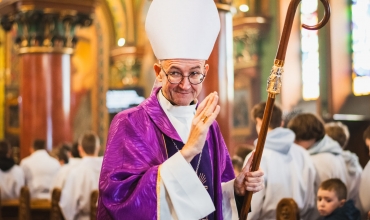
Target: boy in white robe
82, 180
339, 132
365, 180
39, 169
289, 171
11, 175
74, 161
325, 152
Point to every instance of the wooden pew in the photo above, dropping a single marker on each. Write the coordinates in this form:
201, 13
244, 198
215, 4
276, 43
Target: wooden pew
55, 212
93, 202
26, 209
9, 209
287, 209
39, 209
35, 209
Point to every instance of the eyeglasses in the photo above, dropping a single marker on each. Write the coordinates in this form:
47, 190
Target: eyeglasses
176, 77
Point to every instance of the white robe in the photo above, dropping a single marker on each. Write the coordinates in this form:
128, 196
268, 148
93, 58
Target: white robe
289, 173
11, 183
364, 192
172, 189
81, 181
328, 160
354, 171
60, 178
39, 169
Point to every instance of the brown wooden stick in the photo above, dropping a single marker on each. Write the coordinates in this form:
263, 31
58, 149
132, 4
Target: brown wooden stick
274, 87
258, 153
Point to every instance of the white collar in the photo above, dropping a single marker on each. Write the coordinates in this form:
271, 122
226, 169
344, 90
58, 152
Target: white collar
180, 117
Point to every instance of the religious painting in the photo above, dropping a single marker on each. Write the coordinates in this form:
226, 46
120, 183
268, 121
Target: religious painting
12, 116
240, 110
124, 72
242, 106
245, 48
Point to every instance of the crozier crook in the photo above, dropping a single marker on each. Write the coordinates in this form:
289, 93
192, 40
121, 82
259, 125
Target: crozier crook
274, 87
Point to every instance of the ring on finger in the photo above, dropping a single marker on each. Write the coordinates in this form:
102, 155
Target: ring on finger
204, 118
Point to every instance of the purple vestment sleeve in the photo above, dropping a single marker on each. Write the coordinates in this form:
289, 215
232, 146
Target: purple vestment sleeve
129, 173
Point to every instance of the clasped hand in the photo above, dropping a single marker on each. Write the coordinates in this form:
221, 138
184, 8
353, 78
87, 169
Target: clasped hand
247, 180
204, 117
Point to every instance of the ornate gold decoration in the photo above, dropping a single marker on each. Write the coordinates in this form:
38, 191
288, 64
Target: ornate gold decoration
64, 50
228, 2
271, 95
248, 32
274, 80
203, 180
125, 67
224, 7
47, 25
246, 48
257, 21
279, 63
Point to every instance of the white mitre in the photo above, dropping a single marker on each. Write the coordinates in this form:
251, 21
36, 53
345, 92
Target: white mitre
182, 29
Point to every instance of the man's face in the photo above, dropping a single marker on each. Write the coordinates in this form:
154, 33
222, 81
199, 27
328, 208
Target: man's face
184, 92
367, 141
327, 202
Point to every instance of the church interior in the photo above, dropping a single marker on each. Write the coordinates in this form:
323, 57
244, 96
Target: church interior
67, 67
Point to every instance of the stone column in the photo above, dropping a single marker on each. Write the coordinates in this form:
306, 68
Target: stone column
220, 76
45, 41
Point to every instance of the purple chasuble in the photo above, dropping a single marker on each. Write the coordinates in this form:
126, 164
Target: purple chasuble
134, 151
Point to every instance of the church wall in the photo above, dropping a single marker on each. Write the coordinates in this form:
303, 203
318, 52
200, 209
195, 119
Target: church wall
269, 46
340, 53
292, 80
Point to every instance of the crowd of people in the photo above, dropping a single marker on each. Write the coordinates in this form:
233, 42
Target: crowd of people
306, 160
73, 169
